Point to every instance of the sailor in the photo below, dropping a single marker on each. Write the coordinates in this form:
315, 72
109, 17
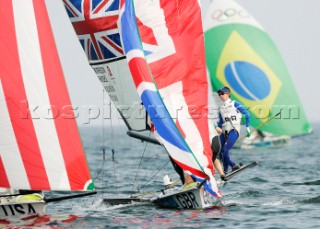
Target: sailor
216, 148
229, 126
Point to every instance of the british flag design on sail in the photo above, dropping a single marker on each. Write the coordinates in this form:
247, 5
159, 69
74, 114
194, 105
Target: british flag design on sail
95, 22
170, 134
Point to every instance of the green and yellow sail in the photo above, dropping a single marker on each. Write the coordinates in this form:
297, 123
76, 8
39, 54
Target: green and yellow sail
241, 55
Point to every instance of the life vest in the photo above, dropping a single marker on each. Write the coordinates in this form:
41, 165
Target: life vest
231, 116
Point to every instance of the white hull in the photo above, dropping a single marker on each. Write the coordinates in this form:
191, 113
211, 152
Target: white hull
193, 198
22, 208
269, 141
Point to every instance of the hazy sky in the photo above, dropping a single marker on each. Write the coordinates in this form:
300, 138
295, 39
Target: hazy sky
294, 26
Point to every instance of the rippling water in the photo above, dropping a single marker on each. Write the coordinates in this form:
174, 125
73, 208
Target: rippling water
283, 191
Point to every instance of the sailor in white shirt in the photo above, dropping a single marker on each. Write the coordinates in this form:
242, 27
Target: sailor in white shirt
230, 114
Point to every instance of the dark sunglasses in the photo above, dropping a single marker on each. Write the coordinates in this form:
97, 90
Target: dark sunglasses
221, 93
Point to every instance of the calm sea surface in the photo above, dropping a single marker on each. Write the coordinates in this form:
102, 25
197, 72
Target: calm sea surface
283, 191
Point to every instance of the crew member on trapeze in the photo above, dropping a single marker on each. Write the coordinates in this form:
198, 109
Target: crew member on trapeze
229, 126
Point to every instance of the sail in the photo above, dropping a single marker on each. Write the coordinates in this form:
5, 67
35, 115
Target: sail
241, 55
40, 145
170, 78
95, 23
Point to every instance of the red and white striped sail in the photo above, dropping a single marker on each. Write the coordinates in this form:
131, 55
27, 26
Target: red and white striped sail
40, 145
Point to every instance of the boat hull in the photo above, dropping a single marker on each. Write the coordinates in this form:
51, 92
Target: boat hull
272, 141
193, 198
22, 208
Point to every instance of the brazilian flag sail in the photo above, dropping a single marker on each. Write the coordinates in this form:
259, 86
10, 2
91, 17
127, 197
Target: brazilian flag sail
242, 56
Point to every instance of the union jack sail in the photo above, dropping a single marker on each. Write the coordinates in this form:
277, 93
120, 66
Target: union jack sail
95, 23
171, 79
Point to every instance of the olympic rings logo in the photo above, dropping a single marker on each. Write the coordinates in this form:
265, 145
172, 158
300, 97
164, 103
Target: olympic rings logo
223, 15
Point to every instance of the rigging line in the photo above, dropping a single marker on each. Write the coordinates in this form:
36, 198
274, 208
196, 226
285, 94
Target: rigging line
240, 139
101, 169
136, 176
102, 174
113, 153
150, 193
120, 79
255, 129
111, 121
103, 141
148, 159
152, 166
156, 174
114, 175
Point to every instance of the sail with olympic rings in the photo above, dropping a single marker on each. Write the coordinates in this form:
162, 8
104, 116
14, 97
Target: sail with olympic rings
241, 55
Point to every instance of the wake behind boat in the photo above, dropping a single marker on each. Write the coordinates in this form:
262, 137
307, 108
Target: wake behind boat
188, 196
193, 195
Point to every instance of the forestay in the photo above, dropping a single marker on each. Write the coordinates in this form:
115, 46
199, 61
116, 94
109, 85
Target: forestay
168, 68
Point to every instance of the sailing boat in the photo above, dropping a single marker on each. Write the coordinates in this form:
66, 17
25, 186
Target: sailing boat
169, 78
242, 56
40, 145
263, 139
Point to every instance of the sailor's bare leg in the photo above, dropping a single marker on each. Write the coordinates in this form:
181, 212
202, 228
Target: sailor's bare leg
218, 167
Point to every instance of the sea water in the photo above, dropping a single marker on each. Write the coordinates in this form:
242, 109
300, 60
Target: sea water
283, 191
